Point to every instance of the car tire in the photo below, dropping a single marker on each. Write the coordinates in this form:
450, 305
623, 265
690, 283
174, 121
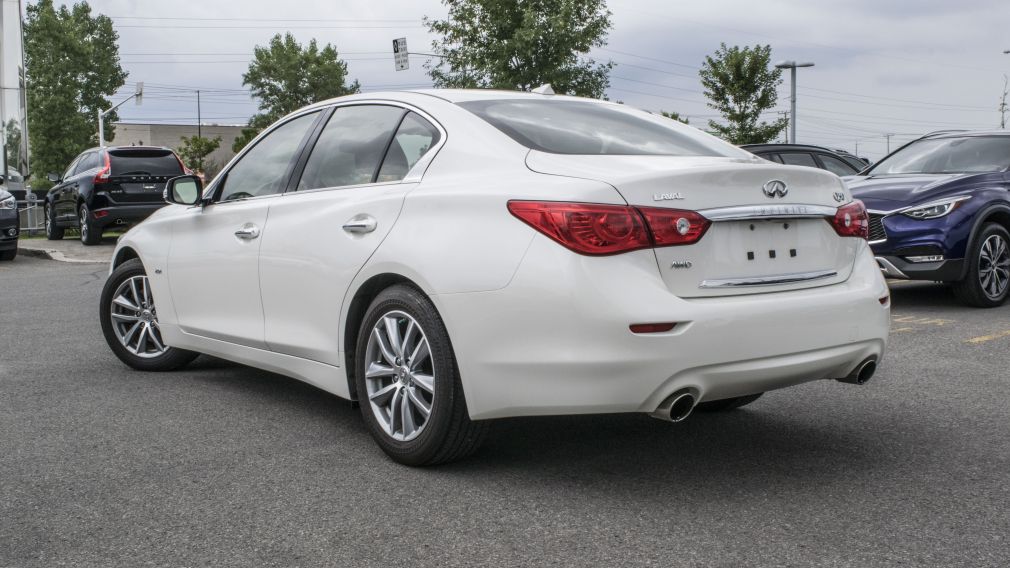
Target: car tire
988, 281
727, 403
402, 374
9, 254
53, 233
90, 233
130, 323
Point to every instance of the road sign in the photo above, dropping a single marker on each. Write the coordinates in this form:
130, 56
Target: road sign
400, 54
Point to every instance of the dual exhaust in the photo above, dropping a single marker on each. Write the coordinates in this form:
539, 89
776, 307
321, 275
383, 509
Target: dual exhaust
679, 405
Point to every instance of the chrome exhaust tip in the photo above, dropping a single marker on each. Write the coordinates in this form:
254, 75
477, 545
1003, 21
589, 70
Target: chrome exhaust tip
676, 408
862, 373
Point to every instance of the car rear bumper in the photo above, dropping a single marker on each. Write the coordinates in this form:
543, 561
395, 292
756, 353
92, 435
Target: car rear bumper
556, 340
124, 214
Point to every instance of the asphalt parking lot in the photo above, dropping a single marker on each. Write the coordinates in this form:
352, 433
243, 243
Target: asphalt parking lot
223, 465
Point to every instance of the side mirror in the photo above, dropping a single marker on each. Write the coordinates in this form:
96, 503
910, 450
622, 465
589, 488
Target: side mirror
55, 178
184, 190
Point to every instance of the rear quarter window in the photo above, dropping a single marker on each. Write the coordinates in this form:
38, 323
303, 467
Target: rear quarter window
144, 162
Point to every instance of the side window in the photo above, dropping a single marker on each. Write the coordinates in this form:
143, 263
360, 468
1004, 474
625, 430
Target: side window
350, 147
798, 159
771, 157
836, 166
413, 139
72, 168
88, 162
263, 169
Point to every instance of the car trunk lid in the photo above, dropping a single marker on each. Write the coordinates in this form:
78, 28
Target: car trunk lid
756, 242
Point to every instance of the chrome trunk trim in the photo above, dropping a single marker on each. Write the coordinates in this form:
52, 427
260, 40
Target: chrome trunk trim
768, 280
783, 211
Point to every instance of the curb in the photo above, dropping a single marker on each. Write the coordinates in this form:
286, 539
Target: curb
56, 255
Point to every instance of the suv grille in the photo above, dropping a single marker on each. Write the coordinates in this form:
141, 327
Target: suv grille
877, 232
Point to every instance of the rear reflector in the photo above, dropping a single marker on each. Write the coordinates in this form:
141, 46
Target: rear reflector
852, 220
100, 213
596, 229
651, 327
884, 300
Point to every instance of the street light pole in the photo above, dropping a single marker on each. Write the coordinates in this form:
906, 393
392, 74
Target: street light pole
792, 65
138, 96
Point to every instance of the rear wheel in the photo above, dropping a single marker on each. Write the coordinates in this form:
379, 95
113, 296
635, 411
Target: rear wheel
988, 279
53, 233
408, 383
130, 322
90, 234
9, 254
727, 403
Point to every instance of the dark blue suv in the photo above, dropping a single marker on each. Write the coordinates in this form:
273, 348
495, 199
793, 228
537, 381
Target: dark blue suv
940, 210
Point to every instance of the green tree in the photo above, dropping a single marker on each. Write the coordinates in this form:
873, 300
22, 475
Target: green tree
522, 44
675, 116
741, 83
284, 76
195, 149
72, 68
12, 144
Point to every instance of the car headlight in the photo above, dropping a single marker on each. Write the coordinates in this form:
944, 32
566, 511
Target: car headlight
8, 202
935, 209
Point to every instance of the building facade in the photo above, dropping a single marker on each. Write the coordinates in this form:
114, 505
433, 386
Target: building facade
170, 135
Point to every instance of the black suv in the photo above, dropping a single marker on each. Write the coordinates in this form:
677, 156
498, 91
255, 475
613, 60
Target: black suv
8, 225
111, 186
838, 163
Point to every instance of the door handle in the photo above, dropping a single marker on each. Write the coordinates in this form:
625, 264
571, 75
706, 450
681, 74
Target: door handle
248, 232
360, 224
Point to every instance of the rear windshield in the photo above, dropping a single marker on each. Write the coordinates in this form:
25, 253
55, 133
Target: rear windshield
577, 127
969, 154
144, 162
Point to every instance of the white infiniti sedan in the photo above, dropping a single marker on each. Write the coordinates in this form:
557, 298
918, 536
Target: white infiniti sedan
446, 257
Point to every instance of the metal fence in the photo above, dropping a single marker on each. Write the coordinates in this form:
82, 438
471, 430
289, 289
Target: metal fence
31, 215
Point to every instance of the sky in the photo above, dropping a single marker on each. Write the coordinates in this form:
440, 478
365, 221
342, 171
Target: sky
899, 67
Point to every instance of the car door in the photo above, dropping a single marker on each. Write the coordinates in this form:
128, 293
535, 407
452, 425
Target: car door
349, 194
64, 207
214, 253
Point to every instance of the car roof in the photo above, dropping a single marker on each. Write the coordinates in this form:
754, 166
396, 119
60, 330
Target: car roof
772, 146
963, 133
450, 95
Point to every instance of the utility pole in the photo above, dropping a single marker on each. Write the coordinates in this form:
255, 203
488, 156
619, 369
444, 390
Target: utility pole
1002, 105
785, 132
199, 120
888, 136
857, 148
792, 65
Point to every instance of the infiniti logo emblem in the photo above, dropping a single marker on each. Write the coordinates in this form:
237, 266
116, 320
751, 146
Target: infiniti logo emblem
775, 188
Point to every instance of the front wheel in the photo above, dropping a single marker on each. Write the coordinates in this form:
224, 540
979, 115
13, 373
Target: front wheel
988, 279
53, 233
130, 322
90, 234
408, 383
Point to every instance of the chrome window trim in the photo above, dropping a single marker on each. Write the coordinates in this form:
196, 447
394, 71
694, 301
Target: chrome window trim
778, 211
773, 280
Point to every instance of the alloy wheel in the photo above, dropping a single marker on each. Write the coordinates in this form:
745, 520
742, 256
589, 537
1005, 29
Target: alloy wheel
399, 375
49, 221
994, 266
84, 222
134, 319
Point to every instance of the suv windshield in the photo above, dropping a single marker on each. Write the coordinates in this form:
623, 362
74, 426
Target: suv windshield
576, 127
968, 154
148, 161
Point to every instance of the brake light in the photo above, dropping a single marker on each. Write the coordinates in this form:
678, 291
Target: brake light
185, 170
103, 174
672, 227
596, 229
852, 220
585, 228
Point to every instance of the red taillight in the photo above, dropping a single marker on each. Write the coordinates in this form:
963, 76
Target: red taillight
595, 229
852, 220
185, 170
103, 174
671, 227
585, 228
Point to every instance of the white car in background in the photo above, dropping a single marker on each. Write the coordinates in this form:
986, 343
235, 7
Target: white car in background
446, 257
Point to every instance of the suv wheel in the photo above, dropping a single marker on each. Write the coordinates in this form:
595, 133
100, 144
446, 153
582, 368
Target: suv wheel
988, 278
9, 254
90, 234
130, 322
408, 383
53, 233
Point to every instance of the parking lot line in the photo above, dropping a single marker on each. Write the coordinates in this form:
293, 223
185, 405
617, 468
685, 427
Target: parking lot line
990, 337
